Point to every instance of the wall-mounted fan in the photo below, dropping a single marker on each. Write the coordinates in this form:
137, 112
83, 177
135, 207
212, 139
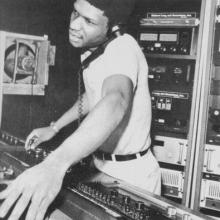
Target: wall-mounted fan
20, 62
24, 63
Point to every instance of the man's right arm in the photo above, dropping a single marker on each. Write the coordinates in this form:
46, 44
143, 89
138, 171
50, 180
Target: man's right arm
39, 135
73, 113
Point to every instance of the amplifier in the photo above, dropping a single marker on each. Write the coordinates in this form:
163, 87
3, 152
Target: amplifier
171, 92
166, 40
172, 183
210, 194
170, 150
168, 32
171, 111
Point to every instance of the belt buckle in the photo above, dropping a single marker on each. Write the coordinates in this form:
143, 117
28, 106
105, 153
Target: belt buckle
113, 157
138, 155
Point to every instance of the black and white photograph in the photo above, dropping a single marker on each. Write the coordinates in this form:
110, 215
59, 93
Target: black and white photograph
110, 110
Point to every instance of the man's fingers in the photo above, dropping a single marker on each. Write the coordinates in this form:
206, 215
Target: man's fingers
31, 142
27, 142
43, 208
21, 205
34, 206
9, 201
5, 192
39, 206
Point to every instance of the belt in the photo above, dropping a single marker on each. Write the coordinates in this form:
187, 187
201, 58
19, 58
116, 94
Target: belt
118, 157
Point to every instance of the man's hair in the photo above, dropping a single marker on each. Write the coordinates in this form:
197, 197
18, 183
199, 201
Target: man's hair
117, 11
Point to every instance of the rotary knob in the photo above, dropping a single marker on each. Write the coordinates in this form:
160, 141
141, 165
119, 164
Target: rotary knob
183, 50
173, 49
163, 49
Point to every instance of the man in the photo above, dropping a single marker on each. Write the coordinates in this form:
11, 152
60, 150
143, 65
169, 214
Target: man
117, 125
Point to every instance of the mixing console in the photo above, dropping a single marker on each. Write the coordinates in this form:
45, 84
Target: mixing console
81, 200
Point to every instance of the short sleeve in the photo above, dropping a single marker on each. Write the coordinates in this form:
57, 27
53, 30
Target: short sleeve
121, 59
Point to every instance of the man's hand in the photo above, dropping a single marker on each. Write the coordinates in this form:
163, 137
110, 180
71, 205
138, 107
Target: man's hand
39, 135
35, 188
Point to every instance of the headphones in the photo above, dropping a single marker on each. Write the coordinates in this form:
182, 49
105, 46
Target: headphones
116, 31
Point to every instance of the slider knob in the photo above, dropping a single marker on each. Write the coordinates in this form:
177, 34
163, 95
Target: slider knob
104, 198
139, 205
9, 171
114, 193
186, 217
15, 141
80, 186
171, 212
126, 199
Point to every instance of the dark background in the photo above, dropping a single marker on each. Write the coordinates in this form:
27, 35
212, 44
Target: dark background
51, 17
37, 17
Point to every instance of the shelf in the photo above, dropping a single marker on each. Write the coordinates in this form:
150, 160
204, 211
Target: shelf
23, 89
171, 56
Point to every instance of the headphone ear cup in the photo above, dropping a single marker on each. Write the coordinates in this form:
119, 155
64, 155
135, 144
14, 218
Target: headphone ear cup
116, 30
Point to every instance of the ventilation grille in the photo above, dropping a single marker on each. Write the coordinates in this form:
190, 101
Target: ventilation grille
213, 190
172, 177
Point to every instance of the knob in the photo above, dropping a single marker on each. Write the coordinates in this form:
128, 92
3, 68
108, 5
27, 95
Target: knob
141, 216
127, 208
186, 217
126, 199
139, 205
9, 171
183, 50
173, 49
80, 186
15, 141
171, 211
114, 193
104, 198
150, 48
163, 49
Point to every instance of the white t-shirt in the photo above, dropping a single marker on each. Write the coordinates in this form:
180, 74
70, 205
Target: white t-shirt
123, 56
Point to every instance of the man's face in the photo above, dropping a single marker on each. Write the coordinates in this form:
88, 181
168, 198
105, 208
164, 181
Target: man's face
88, 25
